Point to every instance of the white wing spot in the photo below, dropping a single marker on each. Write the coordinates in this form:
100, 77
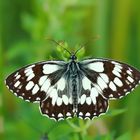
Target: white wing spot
17, 84
65, 99
30, 76
70, 100
16, 74
80, 113
101, 83
83, 99
29, 85
60, 115
15, 94
45, 85
59, 101
112, 86
127, 82
125, 90
61, 84
118, 82
42, 80
113, 62
86, 83
35, 89
17, 77
38, 98
68, 114
17, 90
20, 87
96, 66
30, 66
94, 114
129, 72
105, 77
88, 100
46, 111
93, 94
53, 94
116, 73
87, 114
49, 68
20, 97
130, 79
117, 64
116, 68
111, 95
28, 71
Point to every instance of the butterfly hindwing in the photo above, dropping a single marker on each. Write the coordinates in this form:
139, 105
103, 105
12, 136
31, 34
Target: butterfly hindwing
58, 105
91, 103
113, 79
32, 82
58, 110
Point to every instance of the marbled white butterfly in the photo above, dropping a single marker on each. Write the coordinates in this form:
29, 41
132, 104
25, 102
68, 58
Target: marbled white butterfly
68, 89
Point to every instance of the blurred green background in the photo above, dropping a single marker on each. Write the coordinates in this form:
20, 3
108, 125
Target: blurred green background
24, 27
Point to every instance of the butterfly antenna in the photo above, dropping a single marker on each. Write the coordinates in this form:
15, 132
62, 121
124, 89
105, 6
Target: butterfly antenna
82, 46
59, 45
79, 49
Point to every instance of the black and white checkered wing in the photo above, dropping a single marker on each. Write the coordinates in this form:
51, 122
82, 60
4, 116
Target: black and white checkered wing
112, 79
104, 79
44, 83
32, 82
59, 104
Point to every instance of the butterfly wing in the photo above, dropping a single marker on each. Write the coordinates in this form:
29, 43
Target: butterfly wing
57, 107
91, 102
32, 82
43, 82
59, 104
112, 79
91, 105
102, 80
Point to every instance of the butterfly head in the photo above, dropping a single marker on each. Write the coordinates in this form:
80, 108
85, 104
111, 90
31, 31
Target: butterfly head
73, 57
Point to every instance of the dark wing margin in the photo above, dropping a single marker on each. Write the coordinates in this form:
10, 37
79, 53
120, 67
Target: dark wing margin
56, 111
32, 82
113, 79
90, 110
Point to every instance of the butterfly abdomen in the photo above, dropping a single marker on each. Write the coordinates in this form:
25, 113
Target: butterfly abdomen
74, 92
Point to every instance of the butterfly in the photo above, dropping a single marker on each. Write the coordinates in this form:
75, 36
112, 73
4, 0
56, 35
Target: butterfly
74, 88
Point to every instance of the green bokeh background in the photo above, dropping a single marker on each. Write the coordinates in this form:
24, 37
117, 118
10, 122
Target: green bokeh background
112, 29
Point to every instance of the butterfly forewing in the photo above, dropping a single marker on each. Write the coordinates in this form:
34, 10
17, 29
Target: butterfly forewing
112, 79
32, 82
